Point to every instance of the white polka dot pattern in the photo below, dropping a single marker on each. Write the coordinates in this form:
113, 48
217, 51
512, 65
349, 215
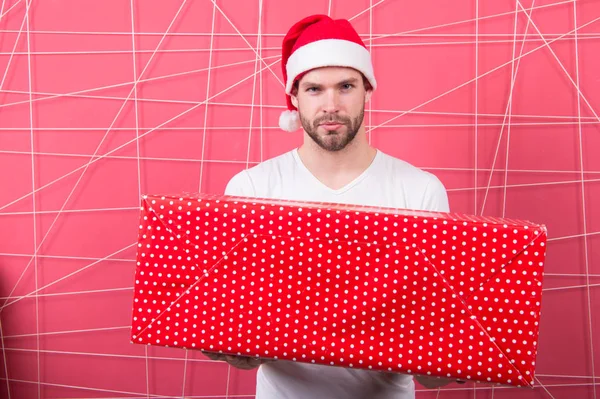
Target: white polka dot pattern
395, 290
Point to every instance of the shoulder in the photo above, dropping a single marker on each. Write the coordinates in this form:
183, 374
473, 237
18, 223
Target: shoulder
404, 171
245, 183
423, 189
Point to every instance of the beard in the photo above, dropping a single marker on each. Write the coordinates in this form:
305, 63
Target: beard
335, 140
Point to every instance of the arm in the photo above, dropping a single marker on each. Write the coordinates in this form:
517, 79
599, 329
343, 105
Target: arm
435, 199
239, 185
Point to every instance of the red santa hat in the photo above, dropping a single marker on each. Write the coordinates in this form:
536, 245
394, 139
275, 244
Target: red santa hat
319, 41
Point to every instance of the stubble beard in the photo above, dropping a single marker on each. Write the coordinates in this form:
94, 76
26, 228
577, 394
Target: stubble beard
334, 140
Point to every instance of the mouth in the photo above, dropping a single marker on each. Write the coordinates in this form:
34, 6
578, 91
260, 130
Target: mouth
331, 126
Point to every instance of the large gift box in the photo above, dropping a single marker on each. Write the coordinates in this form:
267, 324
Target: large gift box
395, 290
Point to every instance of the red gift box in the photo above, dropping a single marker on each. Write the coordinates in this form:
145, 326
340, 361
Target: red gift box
351, 286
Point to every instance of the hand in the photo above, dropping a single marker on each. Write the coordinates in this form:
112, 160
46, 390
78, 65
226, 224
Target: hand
435, 382
240, 362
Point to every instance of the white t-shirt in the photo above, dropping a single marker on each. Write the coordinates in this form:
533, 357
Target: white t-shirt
387, 182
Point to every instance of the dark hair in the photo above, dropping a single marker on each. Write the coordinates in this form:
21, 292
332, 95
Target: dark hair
366, 83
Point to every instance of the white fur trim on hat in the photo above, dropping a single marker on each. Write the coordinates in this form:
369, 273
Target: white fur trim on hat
289, 121
329, 52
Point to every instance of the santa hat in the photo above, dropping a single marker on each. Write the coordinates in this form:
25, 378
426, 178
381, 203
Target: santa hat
319, 41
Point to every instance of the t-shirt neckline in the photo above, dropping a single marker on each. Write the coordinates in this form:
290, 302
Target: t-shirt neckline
345, 188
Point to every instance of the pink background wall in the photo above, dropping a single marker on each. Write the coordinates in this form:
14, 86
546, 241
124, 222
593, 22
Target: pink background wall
103, 100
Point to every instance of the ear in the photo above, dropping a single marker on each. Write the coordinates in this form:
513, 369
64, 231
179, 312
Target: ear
294, 100
368, 96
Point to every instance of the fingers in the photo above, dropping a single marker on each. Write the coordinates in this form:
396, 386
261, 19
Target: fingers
243, 362
213, 356
240, 362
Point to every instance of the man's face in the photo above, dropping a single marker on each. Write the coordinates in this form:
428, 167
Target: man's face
331, 105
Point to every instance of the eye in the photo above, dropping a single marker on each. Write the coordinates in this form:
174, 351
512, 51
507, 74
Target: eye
312, 89
347, 86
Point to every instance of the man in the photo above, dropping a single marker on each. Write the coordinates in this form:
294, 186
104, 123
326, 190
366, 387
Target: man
329, 78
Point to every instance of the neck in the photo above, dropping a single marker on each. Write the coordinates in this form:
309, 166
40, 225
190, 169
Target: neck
336, 169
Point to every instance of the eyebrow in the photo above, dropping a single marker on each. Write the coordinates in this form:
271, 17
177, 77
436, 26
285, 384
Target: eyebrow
341, 83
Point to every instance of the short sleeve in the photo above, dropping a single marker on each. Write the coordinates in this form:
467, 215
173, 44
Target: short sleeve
240, 185
436, 197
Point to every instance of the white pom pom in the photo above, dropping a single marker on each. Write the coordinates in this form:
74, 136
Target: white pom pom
289, 121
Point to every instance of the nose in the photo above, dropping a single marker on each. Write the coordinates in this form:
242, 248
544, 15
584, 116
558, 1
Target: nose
331, 103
